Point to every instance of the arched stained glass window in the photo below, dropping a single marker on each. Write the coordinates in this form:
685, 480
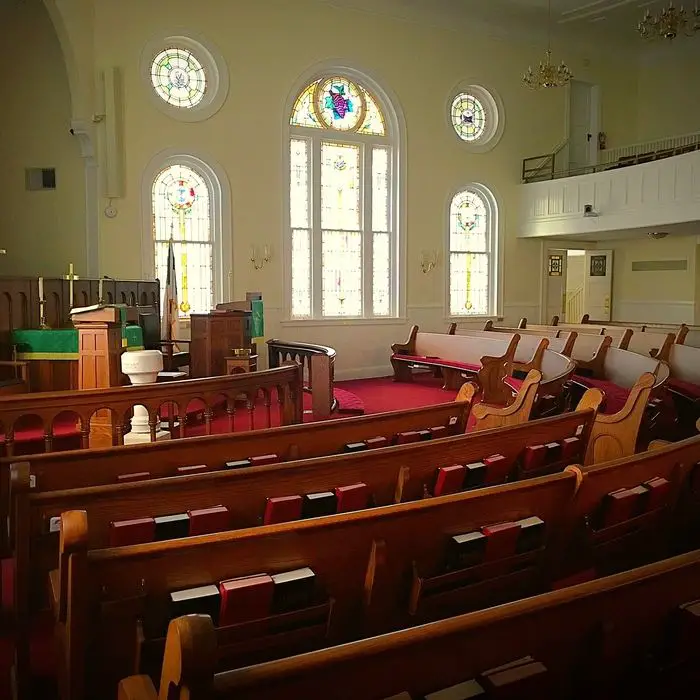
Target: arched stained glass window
342, 209
472, 248
182, 211
178, 77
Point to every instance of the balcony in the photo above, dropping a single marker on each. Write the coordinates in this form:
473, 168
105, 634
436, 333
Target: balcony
639, 187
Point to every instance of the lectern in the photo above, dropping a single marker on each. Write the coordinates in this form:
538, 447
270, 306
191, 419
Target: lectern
99, 348
214, 335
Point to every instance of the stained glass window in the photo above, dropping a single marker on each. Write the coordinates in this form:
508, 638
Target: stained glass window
178, 77
471, 247
468, 117
182, 212
341, 189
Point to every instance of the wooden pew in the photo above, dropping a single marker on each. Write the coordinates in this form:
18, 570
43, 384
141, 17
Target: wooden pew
111, 605
559, 340
684, 384
590, 638
387, 572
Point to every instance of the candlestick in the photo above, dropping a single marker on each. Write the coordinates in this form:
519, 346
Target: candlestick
99, 292
42, 306
41, 289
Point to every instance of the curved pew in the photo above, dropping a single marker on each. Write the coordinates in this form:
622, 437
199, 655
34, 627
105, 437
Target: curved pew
382, 568
684, 384
108, 600
453, 356
560, 341
442, 654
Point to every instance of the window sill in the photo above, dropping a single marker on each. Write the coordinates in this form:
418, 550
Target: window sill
330, 322
468, 319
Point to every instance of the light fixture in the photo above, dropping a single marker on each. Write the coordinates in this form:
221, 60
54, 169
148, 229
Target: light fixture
547, 74
428, 260
669, 23
260, 260
657, 235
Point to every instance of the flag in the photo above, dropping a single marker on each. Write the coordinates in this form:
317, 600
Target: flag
170, 304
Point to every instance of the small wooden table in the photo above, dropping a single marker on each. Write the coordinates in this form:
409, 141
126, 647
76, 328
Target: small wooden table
238, 364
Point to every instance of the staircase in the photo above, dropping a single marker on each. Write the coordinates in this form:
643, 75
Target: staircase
574, 305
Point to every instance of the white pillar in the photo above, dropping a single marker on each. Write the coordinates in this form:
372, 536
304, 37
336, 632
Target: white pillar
142, 367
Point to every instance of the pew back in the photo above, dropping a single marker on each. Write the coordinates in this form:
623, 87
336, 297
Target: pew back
684, 361
624, 368
465, 349
650, 344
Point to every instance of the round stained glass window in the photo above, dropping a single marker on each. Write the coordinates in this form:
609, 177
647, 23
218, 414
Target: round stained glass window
339, 104
468, 117
179, 78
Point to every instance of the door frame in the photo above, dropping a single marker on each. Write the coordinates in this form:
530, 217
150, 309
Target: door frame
594, 124
546, 246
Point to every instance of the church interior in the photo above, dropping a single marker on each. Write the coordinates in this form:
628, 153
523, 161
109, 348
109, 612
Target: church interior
350, 349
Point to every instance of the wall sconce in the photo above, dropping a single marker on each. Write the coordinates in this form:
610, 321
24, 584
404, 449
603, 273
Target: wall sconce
428, 260
259, 262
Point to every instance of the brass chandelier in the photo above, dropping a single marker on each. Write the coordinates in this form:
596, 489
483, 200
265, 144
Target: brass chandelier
669, 23
547, 74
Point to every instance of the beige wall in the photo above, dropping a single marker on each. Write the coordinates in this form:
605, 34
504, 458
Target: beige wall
669, 90
42, 231
655, 296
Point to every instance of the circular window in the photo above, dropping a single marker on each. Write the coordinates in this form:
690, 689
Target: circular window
476, 116
179, 78
186, 79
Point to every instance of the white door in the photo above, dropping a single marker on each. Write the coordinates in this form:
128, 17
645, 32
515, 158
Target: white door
583, 124
597, 284
556, 285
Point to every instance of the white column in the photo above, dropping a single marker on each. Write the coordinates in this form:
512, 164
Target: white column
142, 367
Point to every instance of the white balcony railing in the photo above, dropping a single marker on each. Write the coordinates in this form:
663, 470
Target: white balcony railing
673, 143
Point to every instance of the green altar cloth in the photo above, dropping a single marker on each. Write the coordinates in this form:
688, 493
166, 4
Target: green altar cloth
62, 343
257, 329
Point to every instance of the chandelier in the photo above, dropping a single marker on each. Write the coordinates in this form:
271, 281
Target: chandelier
669, 23
547, 74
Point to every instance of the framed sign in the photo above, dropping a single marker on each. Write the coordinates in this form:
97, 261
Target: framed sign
555, 265
599, 265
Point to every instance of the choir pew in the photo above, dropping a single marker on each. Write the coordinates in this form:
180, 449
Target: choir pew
590, 639
112, 605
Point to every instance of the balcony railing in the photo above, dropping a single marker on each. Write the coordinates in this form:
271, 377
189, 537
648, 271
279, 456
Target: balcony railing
546, 167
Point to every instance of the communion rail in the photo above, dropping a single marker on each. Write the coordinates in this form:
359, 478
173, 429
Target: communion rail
257, 390
318, 368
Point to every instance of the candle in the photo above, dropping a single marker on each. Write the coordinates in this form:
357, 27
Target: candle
41, 289
70, 284
99, 292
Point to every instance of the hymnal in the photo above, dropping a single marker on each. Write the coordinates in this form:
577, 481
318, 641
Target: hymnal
171, 527
570, 447
282, 509
204, 521
522, 681
466, 550
531, 534
193, 469
501, 540
355, 446
259, 460
658, 489
246, 598
619, 505
316, 505
461, 691
353, 497
552, 451
534, 456
449, 479
376, 442
496, 469
204, 600
126, 532
408, 436
438, 431
238, 464
424, 435
136, 476
293, 589
474, 475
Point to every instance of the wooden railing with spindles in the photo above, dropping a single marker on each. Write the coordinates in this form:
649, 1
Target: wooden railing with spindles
234, 393
318, 365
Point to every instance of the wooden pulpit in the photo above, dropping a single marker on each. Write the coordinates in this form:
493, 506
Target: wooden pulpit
214, 336
99, 348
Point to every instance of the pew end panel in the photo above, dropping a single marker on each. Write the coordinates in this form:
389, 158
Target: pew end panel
518, 411
138, 688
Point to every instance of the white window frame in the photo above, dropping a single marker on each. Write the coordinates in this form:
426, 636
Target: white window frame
395, 141
219, 201
495, 253
493, 110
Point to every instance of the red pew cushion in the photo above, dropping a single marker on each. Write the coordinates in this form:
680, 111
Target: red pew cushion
690, 390
615, 396
437, 360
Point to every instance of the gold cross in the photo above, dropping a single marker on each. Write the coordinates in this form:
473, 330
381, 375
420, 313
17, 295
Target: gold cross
70, 276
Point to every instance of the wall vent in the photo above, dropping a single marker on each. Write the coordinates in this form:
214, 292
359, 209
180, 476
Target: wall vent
659, 265
40, 179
